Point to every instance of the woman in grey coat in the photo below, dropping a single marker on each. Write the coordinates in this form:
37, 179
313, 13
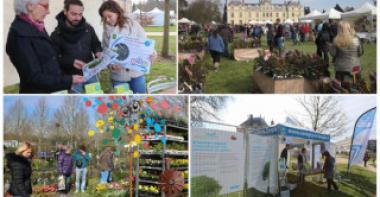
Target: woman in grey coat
347, 51
329, 170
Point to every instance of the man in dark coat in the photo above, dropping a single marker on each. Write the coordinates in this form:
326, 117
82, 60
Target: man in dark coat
32, 53
322, 40
329, 170
226, 35
75, 41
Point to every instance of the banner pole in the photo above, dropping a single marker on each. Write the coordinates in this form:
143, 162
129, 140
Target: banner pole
352, 139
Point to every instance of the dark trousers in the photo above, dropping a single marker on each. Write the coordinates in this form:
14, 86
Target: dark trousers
331, 182
215, 56
324, 53
270, 45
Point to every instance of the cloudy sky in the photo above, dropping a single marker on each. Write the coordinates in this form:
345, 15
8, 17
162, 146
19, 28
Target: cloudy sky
278, 107
323, 4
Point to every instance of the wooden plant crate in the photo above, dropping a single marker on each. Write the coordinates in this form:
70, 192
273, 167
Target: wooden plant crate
283, 86
246, 54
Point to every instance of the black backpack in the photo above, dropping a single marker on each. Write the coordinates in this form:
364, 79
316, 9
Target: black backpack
79, 163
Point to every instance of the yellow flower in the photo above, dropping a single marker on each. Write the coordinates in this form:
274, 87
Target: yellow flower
99, 123
91, 133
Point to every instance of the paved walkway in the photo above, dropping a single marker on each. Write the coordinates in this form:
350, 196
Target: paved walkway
172, 33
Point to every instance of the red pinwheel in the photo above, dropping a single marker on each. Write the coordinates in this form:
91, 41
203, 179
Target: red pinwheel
172, 182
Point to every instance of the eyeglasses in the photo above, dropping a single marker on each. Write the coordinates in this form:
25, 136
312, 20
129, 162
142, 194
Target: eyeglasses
46, 6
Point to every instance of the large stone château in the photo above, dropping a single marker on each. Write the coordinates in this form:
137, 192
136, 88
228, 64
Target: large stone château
264, 10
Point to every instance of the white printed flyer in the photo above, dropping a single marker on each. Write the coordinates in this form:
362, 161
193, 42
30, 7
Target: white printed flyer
133, 53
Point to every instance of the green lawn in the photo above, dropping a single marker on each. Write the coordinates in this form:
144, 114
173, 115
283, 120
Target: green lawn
360, 183
159, 43
172, 28
232, 77
236, 77
161, 67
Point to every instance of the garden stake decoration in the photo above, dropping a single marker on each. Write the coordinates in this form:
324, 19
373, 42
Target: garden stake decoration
128, 120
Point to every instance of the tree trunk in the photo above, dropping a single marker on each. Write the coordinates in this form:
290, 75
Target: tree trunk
165, 46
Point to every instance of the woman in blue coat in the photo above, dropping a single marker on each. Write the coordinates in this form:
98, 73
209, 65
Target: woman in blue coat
216, 47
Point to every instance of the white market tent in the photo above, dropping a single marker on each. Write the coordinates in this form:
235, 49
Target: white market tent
331, 14
252, 22
184, 20
366, 9
268, 22
138, 11
158, 17
264, 146
253, 155
172, 13
311, 14
288, 21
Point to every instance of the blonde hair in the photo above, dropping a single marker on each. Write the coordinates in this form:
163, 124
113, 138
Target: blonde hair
345, 36
22, 148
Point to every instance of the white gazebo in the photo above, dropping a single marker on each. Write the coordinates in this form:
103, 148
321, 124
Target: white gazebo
184, 20
366, 9
310, 15
331, 14
288, 21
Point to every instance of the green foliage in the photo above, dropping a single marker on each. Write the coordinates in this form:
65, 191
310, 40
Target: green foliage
192, 44
203, 12
266, 170
294, 65
204, 186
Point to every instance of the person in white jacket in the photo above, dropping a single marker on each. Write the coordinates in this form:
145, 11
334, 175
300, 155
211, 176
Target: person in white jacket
116, 21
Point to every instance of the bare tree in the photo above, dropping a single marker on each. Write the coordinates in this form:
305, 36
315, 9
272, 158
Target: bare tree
71, 118
40, 122
206, 107
321, 114
40, 117
16, 118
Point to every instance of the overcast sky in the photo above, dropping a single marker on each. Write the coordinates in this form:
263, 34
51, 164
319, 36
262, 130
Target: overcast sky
278, 107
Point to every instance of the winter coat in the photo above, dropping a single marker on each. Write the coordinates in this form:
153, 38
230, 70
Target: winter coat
131, 28
347, 58
79, 42
33, 55
65, 164
21, 171
106, 161
328, 167
279, 31
301, 161
85, 159
215, 43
